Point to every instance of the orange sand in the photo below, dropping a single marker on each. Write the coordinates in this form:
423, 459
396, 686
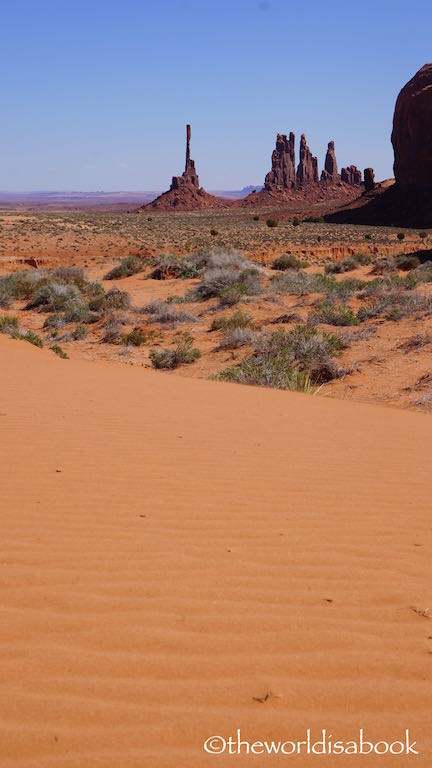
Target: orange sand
170, 550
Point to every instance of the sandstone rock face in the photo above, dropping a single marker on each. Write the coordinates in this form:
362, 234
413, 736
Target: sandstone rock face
307, 170
412, 133
351, 175
189, 176
283, 173
369, 179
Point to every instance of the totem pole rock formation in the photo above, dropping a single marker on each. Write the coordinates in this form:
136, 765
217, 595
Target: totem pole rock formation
283, 172
190, 176
185, 192
307, 170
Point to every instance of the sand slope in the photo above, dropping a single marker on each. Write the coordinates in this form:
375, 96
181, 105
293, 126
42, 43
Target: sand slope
183, 560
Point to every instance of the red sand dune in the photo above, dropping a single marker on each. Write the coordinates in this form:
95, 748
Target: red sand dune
184, 558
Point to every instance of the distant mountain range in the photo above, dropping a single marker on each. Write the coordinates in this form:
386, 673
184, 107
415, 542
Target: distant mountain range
108, 200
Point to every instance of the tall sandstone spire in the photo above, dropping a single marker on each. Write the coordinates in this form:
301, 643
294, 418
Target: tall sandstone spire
283, 171
190, 176
307, 170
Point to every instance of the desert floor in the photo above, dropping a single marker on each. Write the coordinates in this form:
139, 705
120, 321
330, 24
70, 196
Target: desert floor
183, 558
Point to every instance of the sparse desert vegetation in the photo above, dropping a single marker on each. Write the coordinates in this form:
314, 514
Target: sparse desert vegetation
242, 295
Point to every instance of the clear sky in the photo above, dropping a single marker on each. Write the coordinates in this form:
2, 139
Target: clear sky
95, 94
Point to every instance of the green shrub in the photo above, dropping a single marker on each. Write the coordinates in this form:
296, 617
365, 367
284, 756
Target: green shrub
401, 236
286, 261
32, 338
297, 360
135, 338
296, 221
214, 232
80, 332
256, 218
238, 320
184, 353
59, 352
332, 314
168, 266
272, 223
131, 265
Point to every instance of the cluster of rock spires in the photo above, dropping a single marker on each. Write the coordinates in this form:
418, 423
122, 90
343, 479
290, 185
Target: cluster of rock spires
285, 176
285, 181
407, 201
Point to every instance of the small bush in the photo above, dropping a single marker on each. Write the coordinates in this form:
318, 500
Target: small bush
296, 221
230, 277
256, 218
272, 223
116, 299
214, 232
423, 235
184, 353
286, 261
168, 266
32, 338
166, 313
348, 263
135, 338
238, 320
236, 337
401, 236
55, 321
79, 333
112, 330
9, 325
131, 265
407, 262
297, 360
332, 314
59, 352
368, 237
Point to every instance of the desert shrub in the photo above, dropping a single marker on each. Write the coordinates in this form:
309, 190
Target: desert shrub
286, 317
348, 263
314, 219
79, 333
166, 313
229, 276
368, 236
168, 266
394, 305
8, 324
214, 232
236, 337
115, 299
112, 331
423, 273
55, 321
256, 218
53, 296
401, 236
272, 223
299, 359
423, 235
300, 283
136, 338
332, 314
184, 353
59, 352
296, 221
286, 261
238, 320
131, 265
70, 275
11, 327
19, 285
407, 262
416, 342
32, 338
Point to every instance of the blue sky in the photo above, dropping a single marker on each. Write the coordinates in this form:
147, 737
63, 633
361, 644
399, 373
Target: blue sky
95, 95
